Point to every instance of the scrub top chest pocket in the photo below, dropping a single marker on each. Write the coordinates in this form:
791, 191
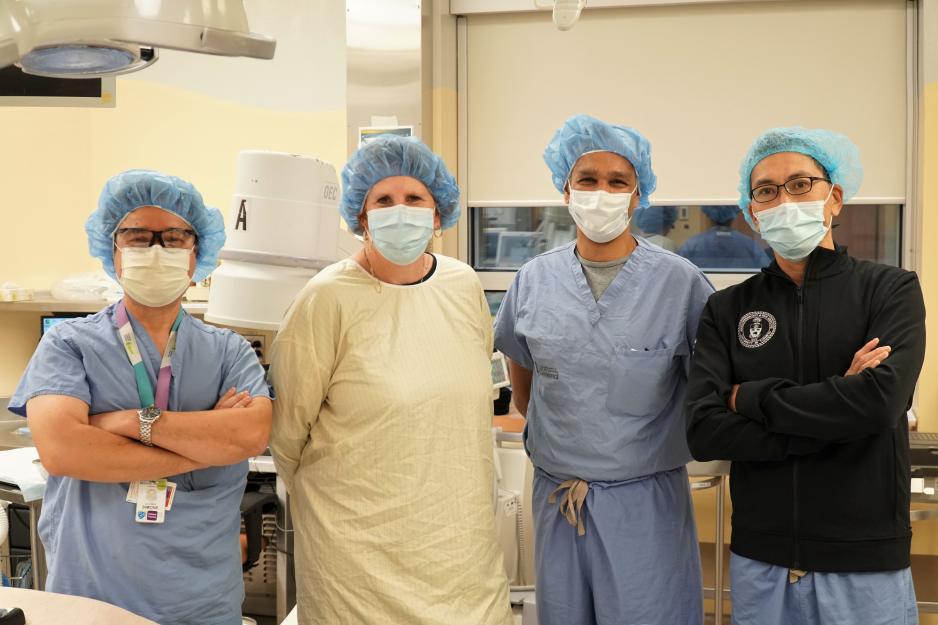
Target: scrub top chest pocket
642, 381
553, 356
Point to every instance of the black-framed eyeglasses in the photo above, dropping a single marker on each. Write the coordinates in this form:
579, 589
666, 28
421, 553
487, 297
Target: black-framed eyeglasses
174, 238
796, 186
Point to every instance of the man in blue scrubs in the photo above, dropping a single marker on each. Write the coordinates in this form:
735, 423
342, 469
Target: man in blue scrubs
143, 416
599, 333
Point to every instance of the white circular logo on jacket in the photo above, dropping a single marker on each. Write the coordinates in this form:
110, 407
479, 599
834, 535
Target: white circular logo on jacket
756, 329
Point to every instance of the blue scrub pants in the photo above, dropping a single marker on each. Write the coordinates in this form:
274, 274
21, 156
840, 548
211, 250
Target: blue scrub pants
637, 564
762, 596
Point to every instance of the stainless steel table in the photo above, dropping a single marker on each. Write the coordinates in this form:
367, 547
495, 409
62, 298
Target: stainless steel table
714, 474
11, 439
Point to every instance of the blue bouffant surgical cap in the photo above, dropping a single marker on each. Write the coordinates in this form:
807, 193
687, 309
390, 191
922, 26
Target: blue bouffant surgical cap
655, 219
720, 214
581, 134
393, 155
836, 154
132, 189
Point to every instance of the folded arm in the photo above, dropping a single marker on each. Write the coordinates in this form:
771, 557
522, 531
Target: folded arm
844, 408
222, 436
70, 446
714, 432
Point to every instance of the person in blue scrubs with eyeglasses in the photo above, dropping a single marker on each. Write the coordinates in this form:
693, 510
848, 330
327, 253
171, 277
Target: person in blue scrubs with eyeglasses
599, 334
144, 417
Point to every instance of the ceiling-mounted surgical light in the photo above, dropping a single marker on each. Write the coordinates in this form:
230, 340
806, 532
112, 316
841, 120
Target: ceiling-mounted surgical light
89, 38
83, 61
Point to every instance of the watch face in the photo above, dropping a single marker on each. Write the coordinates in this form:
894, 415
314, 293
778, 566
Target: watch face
150, 413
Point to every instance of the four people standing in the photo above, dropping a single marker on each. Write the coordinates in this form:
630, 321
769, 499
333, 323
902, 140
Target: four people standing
801, 376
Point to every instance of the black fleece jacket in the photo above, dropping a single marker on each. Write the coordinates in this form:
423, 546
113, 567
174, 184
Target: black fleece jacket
820, 461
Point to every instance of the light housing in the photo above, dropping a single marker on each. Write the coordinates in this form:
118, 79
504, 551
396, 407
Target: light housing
94, 38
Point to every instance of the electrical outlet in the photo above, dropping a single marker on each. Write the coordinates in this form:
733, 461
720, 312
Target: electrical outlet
258, 344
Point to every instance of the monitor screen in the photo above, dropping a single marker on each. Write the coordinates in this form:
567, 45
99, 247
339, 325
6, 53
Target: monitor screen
515, 248
47, 321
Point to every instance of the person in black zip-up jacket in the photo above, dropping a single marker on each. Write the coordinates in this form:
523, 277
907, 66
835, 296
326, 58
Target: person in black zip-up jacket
802, 377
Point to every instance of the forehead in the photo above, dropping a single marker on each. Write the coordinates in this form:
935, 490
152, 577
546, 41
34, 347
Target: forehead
397, 185
154, 218
603, 163
780, 167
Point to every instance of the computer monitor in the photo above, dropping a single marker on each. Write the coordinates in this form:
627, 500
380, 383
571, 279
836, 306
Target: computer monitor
47, 321
516, 248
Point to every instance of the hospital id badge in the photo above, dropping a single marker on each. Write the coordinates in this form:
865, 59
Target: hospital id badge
151, 502
170, 493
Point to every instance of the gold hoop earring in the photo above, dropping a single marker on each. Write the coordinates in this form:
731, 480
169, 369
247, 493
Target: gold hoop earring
438, 233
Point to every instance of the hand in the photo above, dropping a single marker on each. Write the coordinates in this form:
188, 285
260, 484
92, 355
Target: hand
731, 402
868, 357
233, 399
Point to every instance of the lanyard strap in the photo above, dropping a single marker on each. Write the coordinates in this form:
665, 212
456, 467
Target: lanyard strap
144, 387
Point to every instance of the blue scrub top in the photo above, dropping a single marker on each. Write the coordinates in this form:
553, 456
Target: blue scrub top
188, 569
721, 247
609, 376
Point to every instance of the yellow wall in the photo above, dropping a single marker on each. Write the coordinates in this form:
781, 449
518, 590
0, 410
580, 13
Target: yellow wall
55, 162
925, 537
928, 383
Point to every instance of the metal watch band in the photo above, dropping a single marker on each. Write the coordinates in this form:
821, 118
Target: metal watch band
145, 432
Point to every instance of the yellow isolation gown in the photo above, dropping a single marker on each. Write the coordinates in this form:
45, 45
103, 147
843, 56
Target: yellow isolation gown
382, 432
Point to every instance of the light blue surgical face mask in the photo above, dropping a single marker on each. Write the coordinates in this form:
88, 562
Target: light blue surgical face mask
794, 229
400, 233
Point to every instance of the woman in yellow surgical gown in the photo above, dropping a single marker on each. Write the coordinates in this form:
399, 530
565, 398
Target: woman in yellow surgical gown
382, 423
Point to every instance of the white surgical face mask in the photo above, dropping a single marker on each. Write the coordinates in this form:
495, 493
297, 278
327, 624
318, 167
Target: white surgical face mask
154, 276
600, 215
401, 233
794, 229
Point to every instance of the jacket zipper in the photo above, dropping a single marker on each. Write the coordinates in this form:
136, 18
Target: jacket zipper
794, 468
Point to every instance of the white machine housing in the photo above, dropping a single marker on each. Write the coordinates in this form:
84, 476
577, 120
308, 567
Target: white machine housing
76, 31
283, 227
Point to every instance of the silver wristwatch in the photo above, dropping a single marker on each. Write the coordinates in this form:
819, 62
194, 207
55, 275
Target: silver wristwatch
148, 416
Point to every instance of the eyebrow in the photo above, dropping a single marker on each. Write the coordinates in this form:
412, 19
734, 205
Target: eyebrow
612, 174
797, 174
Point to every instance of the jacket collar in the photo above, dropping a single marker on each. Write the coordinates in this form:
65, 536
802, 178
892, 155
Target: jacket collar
822, 263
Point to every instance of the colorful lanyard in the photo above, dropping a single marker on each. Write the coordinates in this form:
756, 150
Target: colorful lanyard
144, 388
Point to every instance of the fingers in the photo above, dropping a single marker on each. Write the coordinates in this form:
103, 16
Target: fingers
868, 357
880, 353
234, 399
244, 400
866, 348
228, 399
872, 364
